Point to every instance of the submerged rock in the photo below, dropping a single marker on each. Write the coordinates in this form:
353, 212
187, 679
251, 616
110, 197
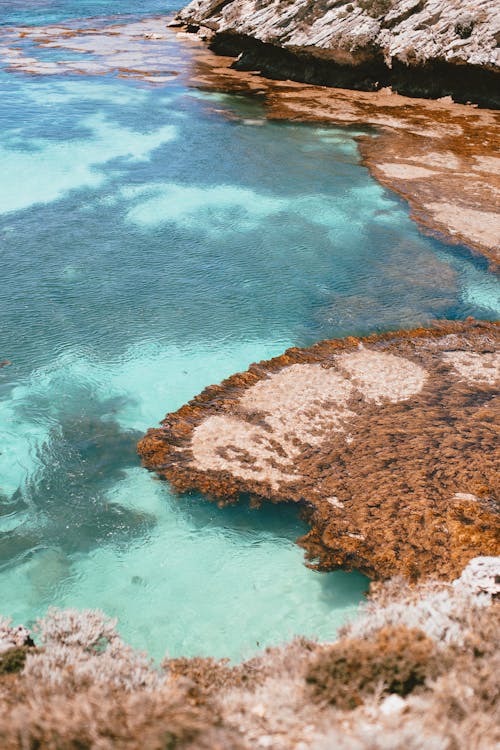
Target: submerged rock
430, 48
387, 442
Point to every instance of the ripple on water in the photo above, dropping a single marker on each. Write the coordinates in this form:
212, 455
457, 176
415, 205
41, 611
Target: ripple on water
149, 248
182, 576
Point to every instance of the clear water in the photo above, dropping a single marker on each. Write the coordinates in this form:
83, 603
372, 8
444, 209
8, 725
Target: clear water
41, 12
149, 247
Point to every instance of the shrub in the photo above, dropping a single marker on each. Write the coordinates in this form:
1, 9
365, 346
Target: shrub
83, 649
13, 660
397, 659
92, 720
464, 28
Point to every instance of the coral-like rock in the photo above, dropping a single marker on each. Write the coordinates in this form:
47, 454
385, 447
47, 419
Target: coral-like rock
388, 443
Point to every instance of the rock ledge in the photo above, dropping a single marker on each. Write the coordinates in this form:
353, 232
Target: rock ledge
419, 47
387, 442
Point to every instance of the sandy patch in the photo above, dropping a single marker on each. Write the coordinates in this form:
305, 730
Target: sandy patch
223, 443
296, 408
468, 222
381, 376
490, 164
475, 368
405, 171
300, 402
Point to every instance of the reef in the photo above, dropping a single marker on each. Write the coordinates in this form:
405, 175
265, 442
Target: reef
387, 443
429, 48
418, 668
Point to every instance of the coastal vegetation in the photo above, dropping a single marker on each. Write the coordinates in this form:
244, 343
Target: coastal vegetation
382, 682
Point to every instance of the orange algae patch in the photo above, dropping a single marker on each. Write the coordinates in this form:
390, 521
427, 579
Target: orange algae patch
389, 443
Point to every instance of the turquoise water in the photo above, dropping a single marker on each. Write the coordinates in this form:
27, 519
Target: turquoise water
151, 245
39, 12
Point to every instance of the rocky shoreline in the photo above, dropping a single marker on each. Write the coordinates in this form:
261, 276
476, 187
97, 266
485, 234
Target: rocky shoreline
419, 48
440, 156
417, 669
387, 443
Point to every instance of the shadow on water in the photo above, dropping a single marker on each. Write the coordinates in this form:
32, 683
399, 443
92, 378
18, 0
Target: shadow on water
339, 588
67, 503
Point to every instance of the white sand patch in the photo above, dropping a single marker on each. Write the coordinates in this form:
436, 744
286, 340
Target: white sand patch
301, 403
490, 164
475, 368
480, 226
234, 438
405, 171
444, 159
219, 208
58, 167
379, 375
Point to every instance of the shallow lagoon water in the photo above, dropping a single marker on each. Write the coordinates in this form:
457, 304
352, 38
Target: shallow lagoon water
150, 246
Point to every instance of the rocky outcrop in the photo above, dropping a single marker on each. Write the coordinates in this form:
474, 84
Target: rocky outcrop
388, 443
419, 47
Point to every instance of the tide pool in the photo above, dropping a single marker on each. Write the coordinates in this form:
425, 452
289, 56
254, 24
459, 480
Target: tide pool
151, 245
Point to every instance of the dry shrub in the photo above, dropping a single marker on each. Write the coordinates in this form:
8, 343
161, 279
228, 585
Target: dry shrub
444, 612
13, 636
203, 677
460, 709
13, 660
81, 650
364, 736
91, 720
398, 659
86, 690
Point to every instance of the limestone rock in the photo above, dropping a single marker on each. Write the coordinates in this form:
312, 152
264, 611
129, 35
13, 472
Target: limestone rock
449, 46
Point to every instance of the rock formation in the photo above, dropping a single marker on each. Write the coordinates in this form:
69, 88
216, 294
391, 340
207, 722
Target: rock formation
388, 443
419, 47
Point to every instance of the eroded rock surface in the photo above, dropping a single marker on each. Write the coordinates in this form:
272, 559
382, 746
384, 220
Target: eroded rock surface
427, 47
390, 443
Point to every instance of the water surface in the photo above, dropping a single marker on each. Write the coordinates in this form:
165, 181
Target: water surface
151, 245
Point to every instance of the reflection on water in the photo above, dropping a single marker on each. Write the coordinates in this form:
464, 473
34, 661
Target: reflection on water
150, 247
